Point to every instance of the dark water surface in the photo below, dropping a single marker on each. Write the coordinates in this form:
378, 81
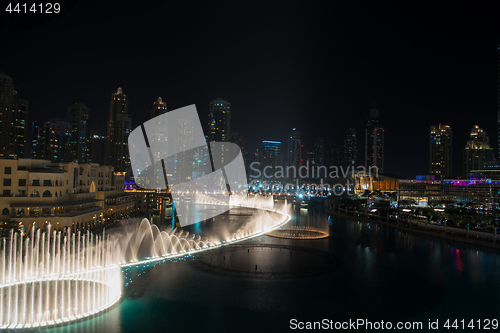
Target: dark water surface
383, 274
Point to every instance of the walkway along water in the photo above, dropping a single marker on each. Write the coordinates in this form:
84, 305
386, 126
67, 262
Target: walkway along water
416, 226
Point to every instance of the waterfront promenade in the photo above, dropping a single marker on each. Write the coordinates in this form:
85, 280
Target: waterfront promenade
414, 224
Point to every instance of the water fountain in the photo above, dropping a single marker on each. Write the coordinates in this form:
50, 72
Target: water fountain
52, 277
303, 228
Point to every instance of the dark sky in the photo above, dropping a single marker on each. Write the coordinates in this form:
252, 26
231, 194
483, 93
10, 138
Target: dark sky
316, 66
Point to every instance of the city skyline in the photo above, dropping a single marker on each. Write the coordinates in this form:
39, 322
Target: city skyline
251, 167
325, 86
80, 148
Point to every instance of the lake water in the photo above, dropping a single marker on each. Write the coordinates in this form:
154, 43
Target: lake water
382, 274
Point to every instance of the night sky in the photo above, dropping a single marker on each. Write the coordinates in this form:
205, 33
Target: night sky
316, 66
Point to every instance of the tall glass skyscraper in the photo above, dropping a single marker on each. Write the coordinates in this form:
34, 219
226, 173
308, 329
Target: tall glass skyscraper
219, 120
159, 107
477, 151
441, 149
13, 119
498, 98
374, 144
294, 157
79, 121
119, 128
350, 150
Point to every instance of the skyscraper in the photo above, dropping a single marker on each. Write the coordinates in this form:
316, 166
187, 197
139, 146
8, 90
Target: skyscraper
119, 128
319, 156
55, 141
240, 141
184, 161
35, 139
477, 151
159, 107
20, 129
219, 120
311, 160
336, 156
98, 151
272, 154
374, 144
294, 157
79, 120
13, 119
441, 152
498, 98
350, 149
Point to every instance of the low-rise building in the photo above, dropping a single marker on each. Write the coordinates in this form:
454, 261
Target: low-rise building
420, 191
78, 196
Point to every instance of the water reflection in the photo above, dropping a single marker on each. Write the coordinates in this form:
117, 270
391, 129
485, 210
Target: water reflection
384, 274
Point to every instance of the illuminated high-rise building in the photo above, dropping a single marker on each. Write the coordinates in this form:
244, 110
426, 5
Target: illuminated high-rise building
477, 152
272, 153
350, 149
294, 157
184, 160
240, 141
310, 159
498, 98
35, 139
79, 120
119, 128
55, 141
98, 144
319, 156
441, 149
159, 107
336, 156
374, 144
219, 120
13, 119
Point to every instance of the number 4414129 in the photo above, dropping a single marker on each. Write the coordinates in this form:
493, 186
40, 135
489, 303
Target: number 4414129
40, 8
484, 324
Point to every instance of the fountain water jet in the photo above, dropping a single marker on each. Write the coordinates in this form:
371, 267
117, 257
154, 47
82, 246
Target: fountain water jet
50, 278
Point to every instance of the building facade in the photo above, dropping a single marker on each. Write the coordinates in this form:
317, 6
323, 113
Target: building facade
66, 195
441, 148
13, 119
294, 154
374, 143
79, 121
272, 153
119, 128
477, 151
498, 99
98, 150
350, 150
55, 141
159, 108
219, 120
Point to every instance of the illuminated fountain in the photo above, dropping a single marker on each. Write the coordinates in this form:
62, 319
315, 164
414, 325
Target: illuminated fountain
303, 227
143, 240
51, 277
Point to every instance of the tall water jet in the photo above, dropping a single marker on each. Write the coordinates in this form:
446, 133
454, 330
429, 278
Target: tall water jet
51, 277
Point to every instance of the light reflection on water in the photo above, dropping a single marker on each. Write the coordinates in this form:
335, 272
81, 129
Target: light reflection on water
384, 274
